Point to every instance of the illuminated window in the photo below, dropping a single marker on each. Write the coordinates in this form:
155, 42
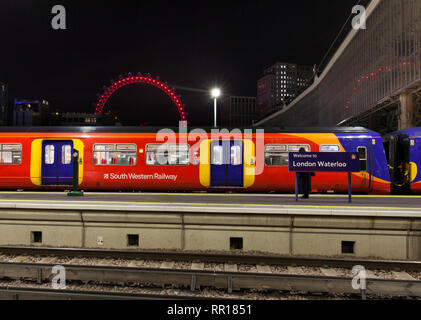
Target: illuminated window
115, 154
10, 153
297, 147
276, 155
217, 155
66, 154
236, 156
49, 154
330, 148
167, 154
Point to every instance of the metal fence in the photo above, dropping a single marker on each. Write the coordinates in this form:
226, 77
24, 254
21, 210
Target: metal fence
379, 62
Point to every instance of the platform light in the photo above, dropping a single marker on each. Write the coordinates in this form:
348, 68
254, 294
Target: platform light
216, 92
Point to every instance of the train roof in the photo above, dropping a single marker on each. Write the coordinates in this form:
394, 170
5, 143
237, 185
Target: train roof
128, 129
410, 132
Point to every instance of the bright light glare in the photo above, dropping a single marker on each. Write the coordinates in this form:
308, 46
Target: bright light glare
215, 93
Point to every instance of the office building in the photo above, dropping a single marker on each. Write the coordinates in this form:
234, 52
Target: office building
279, 85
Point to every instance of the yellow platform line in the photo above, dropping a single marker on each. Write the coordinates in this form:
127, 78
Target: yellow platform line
209, 204
215, 194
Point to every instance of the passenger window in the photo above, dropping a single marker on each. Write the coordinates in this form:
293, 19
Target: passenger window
167, 154
362, 152
330, 148
236, 155
115, 154
126, 154
6, 157
178, 154
276, 155
217, 155
296, 148
66, 154
49, 154
10, 153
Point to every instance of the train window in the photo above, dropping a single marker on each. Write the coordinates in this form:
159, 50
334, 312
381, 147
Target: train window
276, 155
66, 154
49, 154
217, 155
178, 154
362, 151
297, 147
10, 153
126, 154
115, 154
330, 148
167, 154
236, 155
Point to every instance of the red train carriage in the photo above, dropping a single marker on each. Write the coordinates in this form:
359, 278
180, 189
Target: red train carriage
128, 158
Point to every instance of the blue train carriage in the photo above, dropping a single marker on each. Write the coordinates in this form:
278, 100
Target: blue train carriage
403, 151
373, 163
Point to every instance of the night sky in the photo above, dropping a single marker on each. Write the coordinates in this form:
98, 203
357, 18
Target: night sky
194, 45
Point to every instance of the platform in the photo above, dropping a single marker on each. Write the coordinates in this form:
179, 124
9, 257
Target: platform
216, 202
387, 227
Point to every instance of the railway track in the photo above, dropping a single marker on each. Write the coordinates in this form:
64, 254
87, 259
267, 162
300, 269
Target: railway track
30, 293
239, 272
232, 258
197, 279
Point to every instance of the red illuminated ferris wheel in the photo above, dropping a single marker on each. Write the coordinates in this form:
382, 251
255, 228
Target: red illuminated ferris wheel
130, 79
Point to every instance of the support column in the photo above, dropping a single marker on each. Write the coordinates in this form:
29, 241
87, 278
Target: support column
407, 109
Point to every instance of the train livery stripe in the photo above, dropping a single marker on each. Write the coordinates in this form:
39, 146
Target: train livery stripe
204, 167
249, 163
413, 171
36, 158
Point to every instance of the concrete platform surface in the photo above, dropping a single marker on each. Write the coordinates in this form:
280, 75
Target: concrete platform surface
218, 202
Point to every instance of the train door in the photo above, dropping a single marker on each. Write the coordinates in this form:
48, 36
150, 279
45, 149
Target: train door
57, 165
364, 149
227, 163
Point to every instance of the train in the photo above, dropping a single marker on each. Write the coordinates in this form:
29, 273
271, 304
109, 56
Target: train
152, 159
403, 153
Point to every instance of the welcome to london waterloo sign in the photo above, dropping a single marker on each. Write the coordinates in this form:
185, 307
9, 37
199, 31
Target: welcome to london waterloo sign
324, 162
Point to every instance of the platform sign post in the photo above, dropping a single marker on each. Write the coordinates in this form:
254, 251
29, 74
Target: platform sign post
349, 187
75, 192
324, 162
